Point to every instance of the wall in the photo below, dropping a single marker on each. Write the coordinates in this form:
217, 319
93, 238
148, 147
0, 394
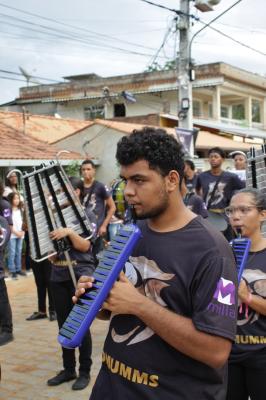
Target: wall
102, 146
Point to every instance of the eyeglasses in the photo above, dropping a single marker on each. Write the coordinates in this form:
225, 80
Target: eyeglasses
242, 210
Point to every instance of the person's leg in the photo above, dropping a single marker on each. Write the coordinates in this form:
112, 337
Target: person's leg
85, 351
6, 334
41, 292
18, 254
27, 251
237, 385
38, 269
61, 292
11, 256
256, 383
46, 277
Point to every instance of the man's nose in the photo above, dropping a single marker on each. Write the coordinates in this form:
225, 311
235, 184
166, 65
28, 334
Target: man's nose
129, 190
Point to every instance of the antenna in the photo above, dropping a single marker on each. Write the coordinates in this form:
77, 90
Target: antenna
29, 78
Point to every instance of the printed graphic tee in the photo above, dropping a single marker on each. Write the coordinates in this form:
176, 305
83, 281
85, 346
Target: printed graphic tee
191, 272
227, 185
250, 344
96, 201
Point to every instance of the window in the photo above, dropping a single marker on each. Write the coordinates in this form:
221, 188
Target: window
119, 110
94, 111
210, 110
256, 113
224, 111
196, 108
238, 111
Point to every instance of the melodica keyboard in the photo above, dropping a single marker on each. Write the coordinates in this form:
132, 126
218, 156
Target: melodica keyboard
111, 264
240, 248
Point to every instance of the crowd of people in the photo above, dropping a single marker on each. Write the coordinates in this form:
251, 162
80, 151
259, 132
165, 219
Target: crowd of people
178, 297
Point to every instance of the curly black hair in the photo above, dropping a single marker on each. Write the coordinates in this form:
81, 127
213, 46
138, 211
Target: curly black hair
161, 150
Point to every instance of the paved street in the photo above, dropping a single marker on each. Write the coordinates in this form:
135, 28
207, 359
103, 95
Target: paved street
34, 356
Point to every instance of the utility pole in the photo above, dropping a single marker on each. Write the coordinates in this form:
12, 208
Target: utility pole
185, 109
185, 72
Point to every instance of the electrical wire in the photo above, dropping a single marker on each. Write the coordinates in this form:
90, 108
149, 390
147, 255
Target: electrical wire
75, 39
20, 74
106, 37
235, 40
166, 36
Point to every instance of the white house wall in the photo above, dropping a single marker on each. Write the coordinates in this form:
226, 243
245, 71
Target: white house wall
102, 147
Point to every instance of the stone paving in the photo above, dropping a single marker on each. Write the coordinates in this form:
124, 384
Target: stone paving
35, 356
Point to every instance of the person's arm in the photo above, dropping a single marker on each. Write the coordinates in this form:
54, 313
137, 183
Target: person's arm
198, 187
176, 330
77, 241
110, 205
19, 234
238, 184
254, 301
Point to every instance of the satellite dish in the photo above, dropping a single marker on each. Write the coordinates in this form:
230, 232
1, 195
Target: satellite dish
29, 78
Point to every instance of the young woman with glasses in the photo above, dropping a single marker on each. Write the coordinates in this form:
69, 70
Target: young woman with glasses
247, 362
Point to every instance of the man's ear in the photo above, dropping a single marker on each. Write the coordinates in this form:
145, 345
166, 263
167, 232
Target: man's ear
173, 180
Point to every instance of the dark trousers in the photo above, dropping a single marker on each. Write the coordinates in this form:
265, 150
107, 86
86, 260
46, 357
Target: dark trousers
244, 382
62, 293
27, 251
5, 309
42, 272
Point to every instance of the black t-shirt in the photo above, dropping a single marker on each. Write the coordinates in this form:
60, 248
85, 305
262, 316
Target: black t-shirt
6, 211
196, 204
250, 344
192, 272
94, 200
83, 263
4, 238
228, 184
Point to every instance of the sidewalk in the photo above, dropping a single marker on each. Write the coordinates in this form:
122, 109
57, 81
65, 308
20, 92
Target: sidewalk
35, 356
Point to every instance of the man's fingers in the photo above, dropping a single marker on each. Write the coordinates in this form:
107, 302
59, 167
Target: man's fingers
85, 278
122, 277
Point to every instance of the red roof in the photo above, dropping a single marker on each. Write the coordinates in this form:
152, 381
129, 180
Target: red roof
47, 128
16, 145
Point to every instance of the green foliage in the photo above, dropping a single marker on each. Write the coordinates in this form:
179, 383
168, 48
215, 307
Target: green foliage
168, 66
72, 169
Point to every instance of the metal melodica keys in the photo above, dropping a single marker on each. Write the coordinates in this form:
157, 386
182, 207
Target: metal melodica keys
89, 304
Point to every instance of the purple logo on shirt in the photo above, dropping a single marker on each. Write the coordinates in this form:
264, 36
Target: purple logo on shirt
225, 297
225, 292
6, 213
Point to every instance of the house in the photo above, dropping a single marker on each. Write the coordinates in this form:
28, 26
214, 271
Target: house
101, 138
42, 127
23, 151
224, 97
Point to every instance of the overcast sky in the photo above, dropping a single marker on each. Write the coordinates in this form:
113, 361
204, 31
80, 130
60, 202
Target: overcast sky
116, 37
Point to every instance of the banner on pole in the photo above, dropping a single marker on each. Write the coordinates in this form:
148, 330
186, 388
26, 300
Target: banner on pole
185, 137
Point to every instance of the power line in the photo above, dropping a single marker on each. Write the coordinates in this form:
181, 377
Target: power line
160, 6
166, 36
235, 40
106, 37
178, 12
207, 25
74, 37
20, 74
12, 79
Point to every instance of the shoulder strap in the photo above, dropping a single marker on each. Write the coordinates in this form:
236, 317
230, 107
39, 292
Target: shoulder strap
187, 197
213, 191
